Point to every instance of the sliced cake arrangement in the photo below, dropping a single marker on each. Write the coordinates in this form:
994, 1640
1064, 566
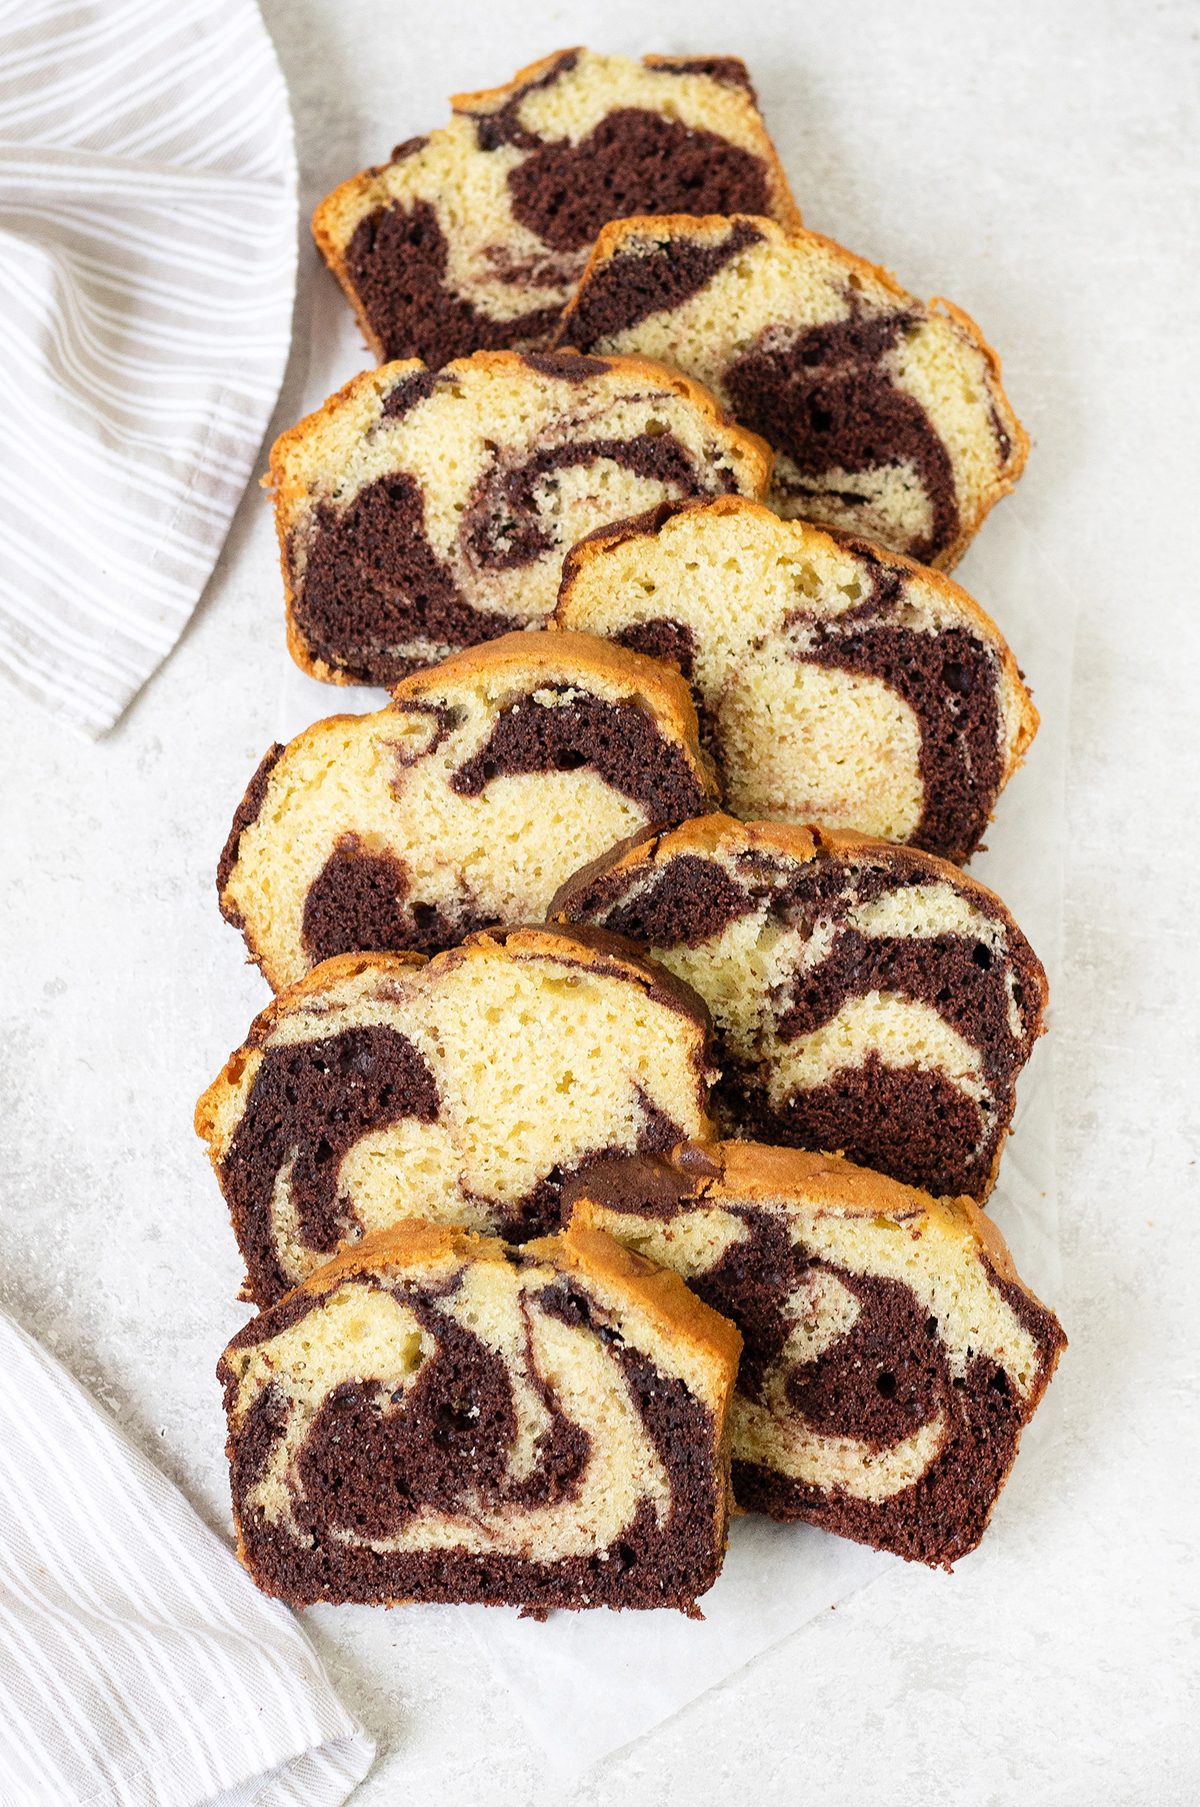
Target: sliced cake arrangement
474, 236
643, 520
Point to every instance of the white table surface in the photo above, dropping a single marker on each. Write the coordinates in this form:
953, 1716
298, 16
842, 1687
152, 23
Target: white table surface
1038, 163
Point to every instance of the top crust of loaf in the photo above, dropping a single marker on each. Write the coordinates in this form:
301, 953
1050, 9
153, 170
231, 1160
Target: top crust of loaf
707, 835
750, 1173
306, 451
673, 1309
517, 659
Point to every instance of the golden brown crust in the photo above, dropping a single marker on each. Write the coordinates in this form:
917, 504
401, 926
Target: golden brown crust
672, 1308
751, 1173
332, 248
410, 1243
660, 1292
491, 100
568, 655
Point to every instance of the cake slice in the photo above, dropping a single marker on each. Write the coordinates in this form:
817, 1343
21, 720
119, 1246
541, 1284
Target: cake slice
892, 1354
473, 237
490, 780
836, 683
867, 999
422, 511
463, 1089
886, 412
435, 1416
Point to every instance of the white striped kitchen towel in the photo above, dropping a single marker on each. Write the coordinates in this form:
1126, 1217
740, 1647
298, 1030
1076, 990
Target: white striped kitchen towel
147, 274
139, 1665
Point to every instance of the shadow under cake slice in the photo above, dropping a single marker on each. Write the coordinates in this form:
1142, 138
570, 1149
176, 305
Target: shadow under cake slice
434, 1416
886, 413
892, 1354
835, 682
473, 237
462, 1089
489, 781
867, 999
421, 511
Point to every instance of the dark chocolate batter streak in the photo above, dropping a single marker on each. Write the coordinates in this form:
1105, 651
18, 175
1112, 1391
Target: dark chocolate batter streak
628, 288
396, 261
358, 904
949, 680
618, 741
826, 401
317, 1098
632, 162
372, 581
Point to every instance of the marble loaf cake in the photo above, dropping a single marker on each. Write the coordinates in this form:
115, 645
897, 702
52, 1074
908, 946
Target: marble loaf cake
473, 238
422, 511
434, 1416
835, 683
490, 780
867, 999
886, 413
462, 1089
892, 1354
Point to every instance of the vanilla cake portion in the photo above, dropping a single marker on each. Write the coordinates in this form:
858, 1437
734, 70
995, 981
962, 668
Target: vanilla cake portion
892, 1354
867, 999
463, 1090
422, 511
489, 781
473, 237
435, 1416
886, 413
836, 683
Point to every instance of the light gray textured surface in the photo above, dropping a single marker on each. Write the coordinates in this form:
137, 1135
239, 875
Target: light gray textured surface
1038, 165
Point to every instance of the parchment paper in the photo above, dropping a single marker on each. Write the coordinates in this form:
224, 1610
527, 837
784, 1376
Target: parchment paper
588, 1683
